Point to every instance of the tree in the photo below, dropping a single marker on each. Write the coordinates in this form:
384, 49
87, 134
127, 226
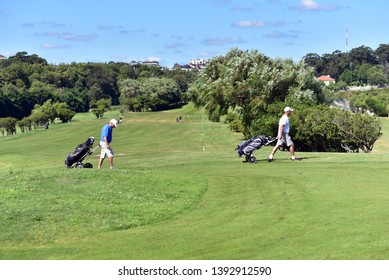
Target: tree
63, 112
162, 93
361, 55
100, 107
314, 60
8, 126
25, 124
130, 92
40, 92
345, 132
25, 58
335, 64
101, 81
48, 109
382, 53
38, 117
361, 73
249, 82
12, 101
376, 76
151, 93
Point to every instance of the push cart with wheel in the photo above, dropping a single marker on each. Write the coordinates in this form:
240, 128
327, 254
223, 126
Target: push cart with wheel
75, 158
247, 147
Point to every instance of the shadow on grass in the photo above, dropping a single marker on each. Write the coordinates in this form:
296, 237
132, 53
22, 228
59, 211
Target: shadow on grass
281, 159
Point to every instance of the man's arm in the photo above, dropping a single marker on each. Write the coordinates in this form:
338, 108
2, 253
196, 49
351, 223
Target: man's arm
106, 142
280, 130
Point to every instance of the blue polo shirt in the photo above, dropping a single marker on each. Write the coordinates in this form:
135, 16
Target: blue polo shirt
106, 131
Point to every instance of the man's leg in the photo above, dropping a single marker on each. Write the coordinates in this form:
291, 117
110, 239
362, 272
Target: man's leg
270, 158
291, 150
110, 162
100, 163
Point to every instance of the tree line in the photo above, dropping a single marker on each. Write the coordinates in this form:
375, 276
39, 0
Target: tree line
359, 66
246, 88
33, 91
249, 90
27, 80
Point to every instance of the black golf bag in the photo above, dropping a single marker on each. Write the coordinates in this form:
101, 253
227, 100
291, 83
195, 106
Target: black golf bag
75, 158
247, 147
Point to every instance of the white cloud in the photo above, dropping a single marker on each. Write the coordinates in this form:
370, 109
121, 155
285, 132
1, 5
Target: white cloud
309, 4
220, 41
241, 8
51, 46
154, 58
174, 45
248, 23
276, 34
312, 5
69, 36
258, 24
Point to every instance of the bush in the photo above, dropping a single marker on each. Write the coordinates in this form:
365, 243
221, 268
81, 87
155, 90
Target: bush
8, 126
234, 123
325, 129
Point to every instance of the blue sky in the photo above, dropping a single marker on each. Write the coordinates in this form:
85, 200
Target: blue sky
174, 31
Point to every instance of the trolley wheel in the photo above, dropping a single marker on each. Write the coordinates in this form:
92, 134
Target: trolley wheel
80, 165
253, 160
88, 165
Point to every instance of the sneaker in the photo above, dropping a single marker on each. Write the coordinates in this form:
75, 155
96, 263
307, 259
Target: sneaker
293, 158
113, 167
270, 159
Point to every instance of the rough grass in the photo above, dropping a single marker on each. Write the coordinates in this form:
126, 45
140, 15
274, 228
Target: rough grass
181, 192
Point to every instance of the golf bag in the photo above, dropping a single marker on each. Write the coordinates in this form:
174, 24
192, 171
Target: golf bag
75, 158
247, 147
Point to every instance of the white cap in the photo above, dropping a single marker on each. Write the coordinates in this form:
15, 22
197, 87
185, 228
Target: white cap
114, 122
288, 109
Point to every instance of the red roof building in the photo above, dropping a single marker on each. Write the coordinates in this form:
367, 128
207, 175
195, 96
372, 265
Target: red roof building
326, 79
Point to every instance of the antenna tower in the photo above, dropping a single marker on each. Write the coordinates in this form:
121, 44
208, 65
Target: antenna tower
346, 38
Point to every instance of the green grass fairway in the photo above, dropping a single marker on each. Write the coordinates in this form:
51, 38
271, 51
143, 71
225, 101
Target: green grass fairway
180, 191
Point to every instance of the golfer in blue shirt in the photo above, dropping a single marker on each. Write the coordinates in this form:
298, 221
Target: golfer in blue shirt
105, 140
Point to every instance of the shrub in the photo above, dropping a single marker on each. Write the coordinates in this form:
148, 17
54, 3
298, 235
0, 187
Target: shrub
326, 129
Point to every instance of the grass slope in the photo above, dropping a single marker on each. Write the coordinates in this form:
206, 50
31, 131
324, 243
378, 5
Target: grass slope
181, 192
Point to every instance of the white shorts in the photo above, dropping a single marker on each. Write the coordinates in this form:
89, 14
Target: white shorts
105, 152
286, 140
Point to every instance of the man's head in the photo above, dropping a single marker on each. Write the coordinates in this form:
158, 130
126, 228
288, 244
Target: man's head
113, 123
288, 110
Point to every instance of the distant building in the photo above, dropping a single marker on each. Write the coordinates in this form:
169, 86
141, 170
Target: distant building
151, 63
326, 79
197, 63
194, 63
148, 62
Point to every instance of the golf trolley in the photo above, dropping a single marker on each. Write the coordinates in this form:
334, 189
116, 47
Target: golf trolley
247, 147
83, 150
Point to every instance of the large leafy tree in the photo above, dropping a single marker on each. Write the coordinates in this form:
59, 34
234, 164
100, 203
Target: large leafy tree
361, 55
382, 53
335, 64
162, 93
151, 93
316, 61
132, 94
249, 82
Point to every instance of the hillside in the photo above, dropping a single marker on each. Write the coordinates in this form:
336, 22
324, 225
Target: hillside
181, 192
